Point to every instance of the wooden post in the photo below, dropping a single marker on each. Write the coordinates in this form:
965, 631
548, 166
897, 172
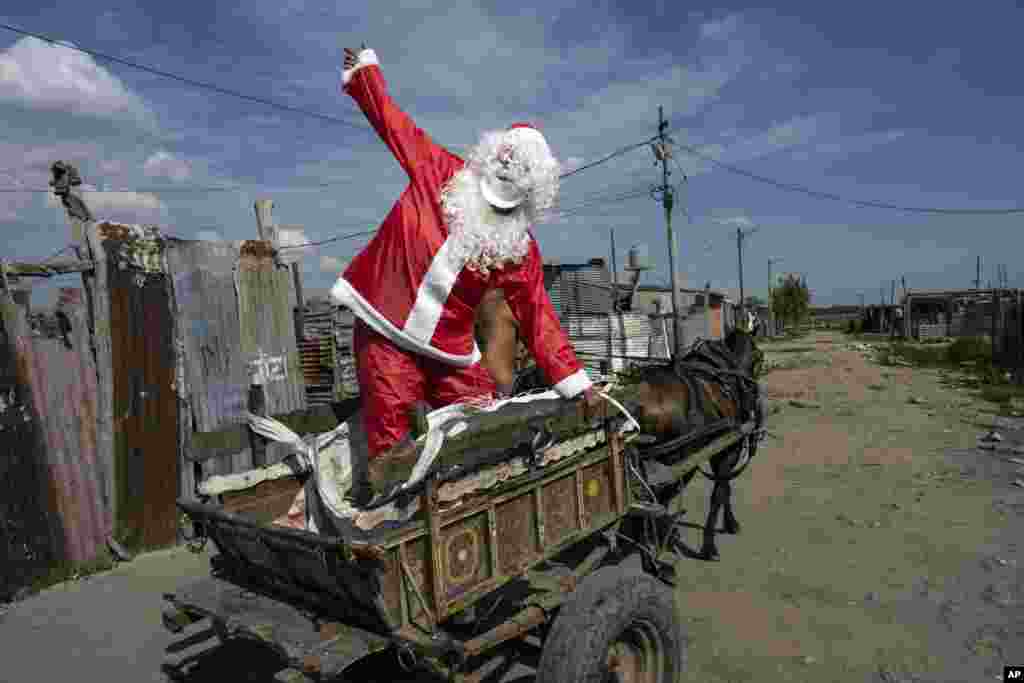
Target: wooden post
707, 311
300, 304
264, 218
257, 406
257, 393
88, 245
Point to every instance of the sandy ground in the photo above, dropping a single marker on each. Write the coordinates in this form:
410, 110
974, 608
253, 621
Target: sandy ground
878, 544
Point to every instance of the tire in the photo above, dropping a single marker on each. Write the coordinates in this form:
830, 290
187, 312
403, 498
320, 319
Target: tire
618, 621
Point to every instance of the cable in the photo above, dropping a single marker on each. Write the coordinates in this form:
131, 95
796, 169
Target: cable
579, 210
349, 236
189, 81
338, 238
834, 197
611, 156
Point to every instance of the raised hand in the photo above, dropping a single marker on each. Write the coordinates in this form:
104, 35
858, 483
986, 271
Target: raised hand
352, 57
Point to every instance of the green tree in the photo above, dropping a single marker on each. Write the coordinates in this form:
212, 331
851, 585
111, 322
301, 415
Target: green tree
754, 301
791, 300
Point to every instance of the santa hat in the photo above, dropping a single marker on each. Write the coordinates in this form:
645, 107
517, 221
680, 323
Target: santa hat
528, 143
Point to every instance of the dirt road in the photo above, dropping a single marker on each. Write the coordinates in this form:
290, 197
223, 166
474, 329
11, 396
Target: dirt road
878, 545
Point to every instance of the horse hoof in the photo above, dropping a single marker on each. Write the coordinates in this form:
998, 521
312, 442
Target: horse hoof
709, 555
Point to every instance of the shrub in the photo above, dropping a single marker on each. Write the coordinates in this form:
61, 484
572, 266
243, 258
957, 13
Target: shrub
967, 349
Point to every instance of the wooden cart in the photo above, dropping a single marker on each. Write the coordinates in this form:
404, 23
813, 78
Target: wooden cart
542, 554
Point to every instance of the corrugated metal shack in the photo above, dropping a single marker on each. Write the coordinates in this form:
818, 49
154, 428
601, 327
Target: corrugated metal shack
702, 319
582, 294
326, 350
114, 438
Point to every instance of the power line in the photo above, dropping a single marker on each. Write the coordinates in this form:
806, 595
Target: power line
189, 81
611, 156
338, 238
571, 211
858, 202
312, 186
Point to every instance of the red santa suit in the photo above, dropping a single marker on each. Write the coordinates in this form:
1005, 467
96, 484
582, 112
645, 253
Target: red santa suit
415, 305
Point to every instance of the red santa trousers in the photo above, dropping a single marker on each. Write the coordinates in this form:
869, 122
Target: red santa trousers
392, 379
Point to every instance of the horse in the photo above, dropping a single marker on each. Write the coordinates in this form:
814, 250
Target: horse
720, 375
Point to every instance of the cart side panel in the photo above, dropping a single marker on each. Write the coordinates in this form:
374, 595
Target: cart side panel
391, 586
561, 503
465, 555
417, 558
516, 535
597, 494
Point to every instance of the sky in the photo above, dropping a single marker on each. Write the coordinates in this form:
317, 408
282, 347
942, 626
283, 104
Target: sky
916, 104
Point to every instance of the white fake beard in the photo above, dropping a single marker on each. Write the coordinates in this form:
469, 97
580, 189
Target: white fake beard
483, 239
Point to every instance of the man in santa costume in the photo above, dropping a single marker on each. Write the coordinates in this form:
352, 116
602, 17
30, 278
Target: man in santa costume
460, 228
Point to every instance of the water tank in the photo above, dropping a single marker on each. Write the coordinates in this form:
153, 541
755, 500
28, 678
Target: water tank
637, 258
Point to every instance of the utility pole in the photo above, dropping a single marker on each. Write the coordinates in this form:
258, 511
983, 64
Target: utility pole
615, 275
663, 152
740, 235
771, 283
977, 279
892, 298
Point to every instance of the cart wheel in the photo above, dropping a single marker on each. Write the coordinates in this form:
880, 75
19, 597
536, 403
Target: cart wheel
619, 626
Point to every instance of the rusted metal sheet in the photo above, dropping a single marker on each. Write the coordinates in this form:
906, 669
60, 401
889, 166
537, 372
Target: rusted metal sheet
62, 377
31, 535
206, 306
266, 299
145, 403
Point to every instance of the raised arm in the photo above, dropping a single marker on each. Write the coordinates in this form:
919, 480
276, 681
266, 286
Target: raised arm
363, 80
539, 325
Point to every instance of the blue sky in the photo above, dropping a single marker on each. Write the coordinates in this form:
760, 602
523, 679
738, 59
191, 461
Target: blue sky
909, 103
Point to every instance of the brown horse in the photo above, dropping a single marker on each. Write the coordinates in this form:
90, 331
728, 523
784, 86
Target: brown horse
719, 374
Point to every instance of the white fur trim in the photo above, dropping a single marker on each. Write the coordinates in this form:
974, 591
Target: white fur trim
574, 384
366, 57
433, 293
344, 294
521, 135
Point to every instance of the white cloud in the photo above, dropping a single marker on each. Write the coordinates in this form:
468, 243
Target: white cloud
163, 164
849, 145
38, 75
209, 236
331, 264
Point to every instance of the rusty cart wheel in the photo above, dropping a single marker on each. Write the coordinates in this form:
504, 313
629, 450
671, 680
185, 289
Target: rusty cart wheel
620, 626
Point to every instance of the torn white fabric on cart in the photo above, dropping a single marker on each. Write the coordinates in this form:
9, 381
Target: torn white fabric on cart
329, 456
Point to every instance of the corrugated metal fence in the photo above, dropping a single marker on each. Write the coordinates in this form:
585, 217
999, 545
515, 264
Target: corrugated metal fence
1008, 343
54, 485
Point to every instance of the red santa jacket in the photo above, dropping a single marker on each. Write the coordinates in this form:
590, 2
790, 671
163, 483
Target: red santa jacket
403, 284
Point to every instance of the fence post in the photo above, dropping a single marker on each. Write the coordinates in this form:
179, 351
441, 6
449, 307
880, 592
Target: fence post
257, 392
257, 406
86, 241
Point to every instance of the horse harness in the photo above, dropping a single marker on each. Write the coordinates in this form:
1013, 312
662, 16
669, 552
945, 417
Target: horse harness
713, 362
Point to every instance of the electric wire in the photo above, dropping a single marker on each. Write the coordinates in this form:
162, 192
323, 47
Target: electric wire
793, 187
188, 81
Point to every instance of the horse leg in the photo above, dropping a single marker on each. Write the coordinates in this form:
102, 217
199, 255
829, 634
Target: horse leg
729, 522
709, 551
